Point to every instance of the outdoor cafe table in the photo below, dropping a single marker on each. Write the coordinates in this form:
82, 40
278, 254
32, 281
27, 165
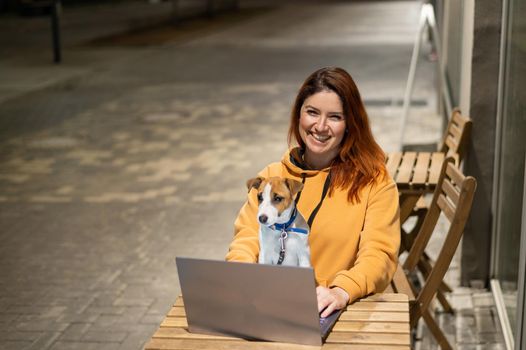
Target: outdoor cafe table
415, 174
380, 321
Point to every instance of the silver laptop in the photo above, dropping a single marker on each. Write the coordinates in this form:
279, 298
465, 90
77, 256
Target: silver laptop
252, 301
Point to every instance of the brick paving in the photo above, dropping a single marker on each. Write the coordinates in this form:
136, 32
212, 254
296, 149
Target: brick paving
126, 156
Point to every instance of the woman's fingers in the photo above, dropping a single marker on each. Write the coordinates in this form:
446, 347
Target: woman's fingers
329, 309
330, 299
322, 295
327, 301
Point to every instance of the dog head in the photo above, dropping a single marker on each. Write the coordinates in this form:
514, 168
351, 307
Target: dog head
276, 198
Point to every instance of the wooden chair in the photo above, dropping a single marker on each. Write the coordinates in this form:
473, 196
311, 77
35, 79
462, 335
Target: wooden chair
455, 139
453, 198
454, 144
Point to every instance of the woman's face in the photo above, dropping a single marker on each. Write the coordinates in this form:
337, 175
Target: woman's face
322, 127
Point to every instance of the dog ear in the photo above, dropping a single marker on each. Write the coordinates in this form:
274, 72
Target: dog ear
294, 186
254, 183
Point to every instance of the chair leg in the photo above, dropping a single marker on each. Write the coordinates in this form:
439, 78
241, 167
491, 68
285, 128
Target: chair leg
409, 237
436, 331
445, 304
420, 214
427, 261
405, 241
425, 267
407, 203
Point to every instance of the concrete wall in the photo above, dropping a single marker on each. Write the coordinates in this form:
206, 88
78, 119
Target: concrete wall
476, 247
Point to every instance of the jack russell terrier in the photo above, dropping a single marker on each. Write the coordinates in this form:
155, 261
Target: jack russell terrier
283, 232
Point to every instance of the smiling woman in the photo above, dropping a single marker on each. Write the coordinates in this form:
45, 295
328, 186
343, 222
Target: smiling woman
354, 228
356, 159
322, 127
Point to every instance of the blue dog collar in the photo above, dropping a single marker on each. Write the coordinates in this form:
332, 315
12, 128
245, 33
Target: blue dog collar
297, 230
286, 226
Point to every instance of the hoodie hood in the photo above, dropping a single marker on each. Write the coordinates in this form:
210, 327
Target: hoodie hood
293, 161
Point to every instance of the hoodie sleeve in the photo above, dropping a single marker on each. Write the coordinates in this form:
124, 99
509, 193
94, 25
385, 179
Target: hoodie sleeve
245, 245
377, 255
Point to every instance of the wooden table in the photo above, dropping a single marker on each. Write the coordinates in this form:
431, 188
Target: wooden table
415, 174
380, 321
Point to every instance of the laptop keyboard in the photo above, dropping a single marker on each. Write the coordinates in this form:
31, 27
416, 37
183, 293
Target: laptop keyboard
326, 323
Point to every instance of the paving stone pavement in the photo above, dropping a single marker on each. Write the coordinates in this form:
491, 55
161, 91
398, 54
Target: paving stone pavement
126, 156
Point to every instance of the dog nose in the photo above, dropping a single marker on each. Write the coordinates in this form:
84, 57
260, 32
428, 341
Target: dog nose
263, 219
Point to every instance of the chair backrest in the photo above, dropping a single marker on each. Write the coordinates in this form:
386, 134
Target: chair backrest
456, 135
453, 197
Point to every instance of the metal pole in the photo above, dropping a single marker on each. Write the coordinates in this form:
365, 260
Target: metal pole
55, 30
412, 72
427, 18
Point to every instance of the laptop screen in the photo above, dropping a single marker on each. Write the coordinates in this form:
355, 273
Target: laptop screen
252, 301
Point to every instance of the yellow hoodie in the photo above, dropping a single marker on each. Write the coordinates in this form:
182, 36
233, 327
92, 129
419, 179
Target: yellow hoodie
353, 246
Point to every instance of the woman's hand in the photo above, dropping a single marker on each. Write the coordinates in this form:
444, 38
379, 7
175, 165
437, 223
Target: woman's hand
331, 299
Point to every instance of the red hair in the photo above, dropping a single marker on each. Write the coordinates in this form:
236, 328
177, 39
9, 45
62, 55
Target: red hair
360, 160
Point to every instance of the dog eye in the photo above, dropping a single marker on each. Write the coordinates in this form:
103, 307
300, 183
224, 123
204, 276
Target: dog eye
260, 197
278, 198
